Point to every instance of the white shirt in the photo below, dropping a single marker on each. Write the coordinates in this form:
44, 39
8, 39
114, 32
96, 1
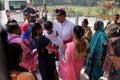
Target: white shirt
65, 29
65, 32
54, 38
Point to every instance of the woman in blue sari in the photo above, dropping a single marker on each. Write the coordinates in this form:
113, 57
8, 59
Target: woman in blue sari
97, 47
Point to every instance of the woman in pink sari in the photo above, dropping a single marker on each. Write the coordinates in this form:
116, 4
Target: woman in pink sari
75, 55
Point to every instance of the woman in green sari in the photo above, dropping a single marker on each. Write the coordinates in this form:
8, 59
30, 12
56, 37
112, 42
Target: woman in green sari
97, 47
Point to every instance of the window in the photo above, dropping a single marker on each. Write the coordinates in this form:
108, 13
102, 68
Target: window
2, 7
17, 5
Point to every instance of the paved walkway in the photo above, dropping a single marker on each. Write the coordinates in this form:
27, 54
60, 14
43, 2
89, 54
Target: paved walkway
83, 76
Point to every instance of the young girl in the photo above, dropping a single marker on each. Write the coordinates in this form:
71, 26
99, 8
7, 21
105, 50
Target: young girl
52, 35
47, 65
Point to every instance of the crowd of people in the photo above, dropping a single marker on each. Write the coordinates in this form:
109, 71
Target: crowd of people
60, 48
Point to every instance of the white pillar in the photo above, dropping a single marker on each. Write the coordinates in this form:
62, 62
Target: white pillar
76, 19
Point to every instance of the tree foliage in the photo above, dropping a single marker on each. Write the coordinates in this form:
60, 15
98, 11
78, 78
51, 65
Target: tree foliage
116, 1
73, 2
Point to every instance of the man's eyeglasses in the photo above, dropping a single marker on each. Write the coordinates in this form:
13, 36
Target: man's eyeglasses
58, 15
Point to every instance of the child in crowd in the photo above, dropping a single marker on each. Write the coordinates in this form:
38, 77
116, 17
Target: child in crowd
26, 27
52, 35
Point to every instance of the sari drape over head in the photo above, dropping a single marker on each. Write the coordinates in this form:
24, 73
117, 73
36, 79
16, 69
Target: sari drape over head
93, 66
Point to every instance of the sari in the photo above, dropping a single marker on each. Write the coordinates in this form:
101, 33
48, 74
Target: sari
73, 62
111, 62
93, 63
115, 76
29, 58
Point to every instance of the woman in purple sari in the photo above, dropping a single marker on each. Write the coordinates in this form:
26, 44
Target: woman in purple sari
28, 57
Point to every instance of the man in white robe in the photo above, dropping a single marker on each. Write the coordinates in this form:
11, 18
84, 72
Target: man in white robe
64, 28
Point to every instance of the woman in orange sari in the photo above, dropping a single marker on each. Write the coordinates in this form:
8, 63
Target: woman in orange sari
75, 54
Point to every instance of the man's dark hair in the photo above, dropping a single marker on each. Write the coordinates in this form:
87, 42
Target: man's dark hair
11, 21
61, 12
48, 25
117, 15
86, 21
12, 27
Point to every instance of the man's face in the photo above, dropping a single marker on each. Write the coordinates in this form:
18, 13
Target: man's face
115, 18
60, 17
28, 4
41, 21
83, 23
